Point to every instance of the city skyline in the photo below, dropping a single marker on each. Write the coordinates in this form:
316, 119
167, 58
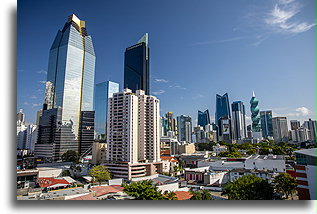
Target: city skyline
177, 83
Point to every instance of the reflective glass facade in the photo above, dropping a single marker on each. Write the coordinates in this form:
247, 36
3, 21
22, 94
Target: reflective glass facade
203, 118
184, 128
103, 92
136, 66
238, 117
70, 80
222, 107
266, 123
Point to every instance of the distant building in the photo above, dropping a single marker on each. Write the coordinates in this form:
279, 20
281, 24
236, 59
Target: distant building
226, 130
223, 117
184, 127
280, 129
169, 123
103, 92
98, 152
38, 115
306, 173
238, 117
266, 124
137, 66
311, 125
255, 116
203, 118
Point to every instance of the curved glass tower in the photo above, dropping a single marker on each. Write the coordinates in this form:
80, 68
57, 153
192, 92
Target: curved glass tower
255, 116
203, 118
222, 107
70, 88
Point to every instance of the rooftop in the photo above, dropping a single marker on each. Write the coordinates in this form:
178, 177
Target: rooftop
84, 197
183, 195
103, 190
50, 182
310, 152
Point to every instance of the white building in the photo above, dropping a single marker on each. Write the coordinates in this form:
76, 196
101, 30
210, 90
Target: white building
133, 128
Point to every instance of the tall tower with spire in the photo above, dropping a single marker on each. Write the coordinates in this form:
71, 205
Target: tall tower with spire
137, 66
255, 116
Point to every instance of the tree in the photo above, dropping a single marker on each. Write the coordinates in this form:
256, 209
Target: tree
201, 195
70, 156
100, 173
143, 190
170, 196
278, 150
285, 184
66, 173
249, 188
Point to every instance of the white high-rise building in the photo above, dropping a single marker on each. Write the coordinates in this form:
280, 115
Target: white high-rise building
133, 128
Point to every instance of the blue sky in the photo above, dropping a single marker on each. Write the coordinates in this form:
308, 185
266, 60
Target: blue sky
197, 49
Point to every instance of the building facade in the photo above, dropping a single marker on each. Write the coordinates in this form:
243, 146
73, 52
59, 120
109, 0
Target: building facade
203, 118
137, 66
266, 124
255, 116
104, 91
184, 127
311, 126
238, 117
280, 129
69, 90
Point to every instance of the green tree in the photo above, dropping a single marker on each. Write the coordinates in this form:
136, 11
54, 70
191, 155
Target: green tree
70, 156
66, 173
143, 190
278, 150
285, 184
249, 188
251, 151
170, 196
201, 195
100, 173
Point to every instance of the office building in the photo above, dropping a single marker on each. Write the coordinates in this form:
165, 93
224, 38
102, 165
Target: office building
69, 91
184, 127
226, 130
311, 126
266, 124
103, 92
238, 117
137, 66
255, 116
168, 124
203, 118
20, 118
280, 129
222, 107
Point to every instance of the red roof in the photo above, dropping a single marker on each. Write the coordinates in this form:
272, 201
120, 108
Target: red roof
84, 197
183, 195
169, 158
102, 190
47, 182
166, 152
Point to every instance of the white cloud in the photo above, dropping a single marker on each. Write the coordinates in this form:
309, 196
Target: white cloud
281, 18
36, 104
42, 81
198, 96
33, 97
302, 111
161, 80
42, 72
159, 92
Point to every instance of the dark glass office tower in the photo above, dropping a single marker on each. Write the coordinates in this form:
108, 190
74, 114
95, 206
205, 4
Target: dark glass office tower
69, 88
238, 119
266, 123
222, 107
203, 118
137, 66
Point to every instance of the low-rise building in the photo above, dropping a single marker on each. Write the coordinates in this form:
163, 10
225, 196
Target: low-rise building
238, 173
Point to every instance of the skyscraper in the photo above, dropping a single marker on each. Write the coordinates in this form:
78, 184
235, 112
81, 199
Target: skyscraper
184, 127
203, 118
104, 91
137, 66
238, 116
311, 126
255, 117
222, 107
280, 129
69, 89
266, 123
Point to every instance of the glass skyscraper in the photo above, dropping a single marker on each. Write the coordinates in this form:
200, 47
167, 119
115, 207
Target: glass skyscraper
104, 91
203, 118
255, 116
266, 123
70, 83
222, 107
184, 128
238, 116
137, 67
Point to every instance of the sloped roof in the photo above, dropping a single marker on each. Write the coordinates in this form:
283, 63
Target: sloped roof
102, 190
50, 182
183, 195
84, 197
169, 158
